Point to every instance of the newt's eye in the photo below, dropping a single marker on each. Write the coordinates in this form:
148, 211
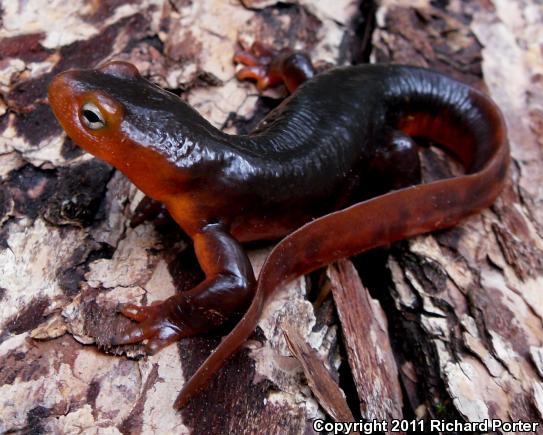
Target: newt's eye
92, 117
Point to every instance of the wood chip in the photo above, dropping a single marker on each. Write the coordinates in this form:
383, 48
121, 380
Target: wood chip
321, 382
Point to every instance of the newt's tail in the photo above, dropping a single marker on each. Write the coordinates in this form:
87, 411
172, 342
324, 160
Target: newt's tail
473, 129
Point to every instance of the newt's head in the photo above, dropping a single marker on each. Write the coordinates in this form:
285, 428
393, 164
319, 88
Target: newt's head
116, 115
88, 110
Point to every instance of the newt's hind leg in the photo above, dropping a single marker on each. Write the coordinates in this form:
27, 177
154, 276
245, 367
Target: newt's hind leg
223, 296
271, 68
396, 163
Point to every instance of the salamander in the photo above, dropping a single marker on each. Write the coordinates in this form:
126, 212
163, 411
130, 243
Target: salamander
331, 172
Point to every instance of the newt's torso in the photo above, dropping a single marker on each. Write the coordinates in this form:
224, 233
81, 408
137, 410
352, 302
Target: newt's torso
341, 138
310, 156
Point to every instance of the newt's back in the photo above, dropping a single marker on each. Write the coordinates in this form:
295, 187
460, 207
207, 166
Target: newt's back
319, 148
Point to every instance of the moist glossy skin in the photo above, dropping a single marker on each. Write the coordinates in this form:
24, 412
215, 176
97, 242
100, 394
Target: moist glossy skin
342, 136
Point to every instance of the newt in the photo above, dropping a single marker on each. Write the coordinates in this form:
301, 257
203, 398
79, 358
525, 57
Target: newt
331, 172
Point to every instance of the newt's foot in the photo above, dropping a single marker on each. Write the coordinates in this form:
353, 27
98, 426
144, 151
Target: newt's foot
258, 61
270, 68
153, 325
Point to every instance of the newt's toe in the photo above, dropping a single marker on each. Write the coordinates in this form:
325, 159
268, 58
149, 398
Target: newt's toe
134, 335
134, 312
166, 337
153, 324
257, 73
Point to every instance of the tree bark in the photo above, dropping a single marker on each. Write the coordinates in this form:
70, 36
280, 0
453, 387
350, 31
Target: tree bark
447, 326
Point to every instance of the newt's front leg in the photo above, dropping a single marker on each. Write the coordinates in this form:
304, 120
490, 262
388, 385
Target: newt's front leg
224, 294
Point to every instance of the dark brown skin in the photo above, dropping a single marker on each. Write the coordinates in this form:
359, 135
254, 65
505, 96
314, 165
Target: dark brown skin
340, 137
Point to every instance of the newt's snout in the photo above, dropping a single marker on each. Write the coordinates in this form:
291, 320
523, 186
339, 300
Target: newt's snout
88, 113
62, 98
